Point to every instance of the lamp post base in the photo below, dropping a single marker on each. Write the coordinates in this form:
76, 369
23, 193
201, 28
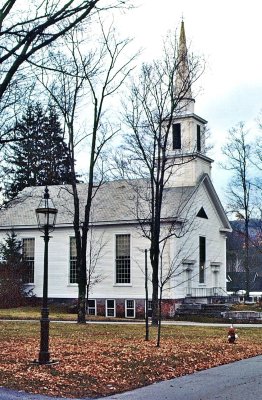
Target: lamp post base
44, 357
49, 362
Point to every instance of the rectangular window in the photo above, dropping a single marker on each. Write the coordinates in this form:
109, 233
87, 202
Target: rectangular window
149, 305
73, 267
202, 259
123, 259
110, 308
130, 309
198, 138
91, 307
176, 136
28, 249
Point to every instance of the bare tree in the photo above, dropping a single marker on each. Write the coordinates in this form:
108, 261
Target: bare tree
239, 193
160, 94
170, 268
257, 163
96, 251
235, 250
27, 29
258, 145
98, 76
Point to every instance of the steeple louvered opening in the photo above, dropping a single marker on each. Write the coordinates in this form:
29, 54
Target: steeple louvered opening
176, 129
198, 138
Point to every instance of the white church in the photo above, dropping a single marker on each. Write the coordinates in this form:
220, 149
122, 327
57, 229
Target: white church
195, 263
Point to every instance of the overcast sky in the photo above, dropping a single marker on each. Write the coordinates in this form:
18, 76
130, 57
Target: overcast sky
228, 33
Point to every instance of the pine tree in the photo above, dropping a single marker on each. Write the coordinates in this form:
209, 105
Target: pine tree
12, 272
40, 155
11, 249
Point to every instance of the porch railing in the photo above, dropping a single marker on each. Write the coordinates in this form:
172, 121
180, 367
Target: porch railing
205, 292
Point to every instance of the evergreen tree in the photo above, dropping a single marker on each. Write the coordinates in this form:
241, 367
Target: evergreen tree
40, 155
12, 272
11, 249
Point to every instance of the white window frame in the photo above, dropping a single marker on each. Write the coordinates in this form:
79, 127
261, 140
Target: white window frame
34, 241
92, 308
110, 308
114, 261
69, 263
149, 304
129, 308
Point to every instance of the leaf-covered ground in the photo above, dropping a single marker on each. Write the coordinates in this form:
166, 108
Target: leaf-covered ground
97, 360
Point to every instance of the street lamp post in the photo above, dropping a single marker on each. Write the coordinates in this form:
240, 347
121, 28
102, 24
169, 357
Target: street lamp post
46, 218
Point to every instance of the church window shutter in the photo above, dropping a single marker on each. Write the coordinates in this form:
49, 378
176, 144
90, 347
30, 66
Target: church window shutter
176, 136
202, 259
198, 138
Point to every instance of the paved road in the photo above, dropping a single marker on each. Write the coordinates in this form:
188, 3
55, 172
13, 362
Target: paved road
7, 394
238, 380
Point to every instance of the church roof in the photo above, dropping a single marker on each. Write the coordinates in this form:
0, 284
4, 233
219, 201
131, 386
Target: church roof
115, 202
205, 179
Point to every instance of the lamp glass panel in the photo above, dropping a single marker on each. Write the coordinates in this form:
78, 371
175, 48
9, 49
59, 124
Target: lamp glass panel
46, 213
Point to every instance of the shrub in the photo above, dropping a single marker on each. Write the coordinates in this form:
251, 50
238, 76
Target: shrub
13, 270
12, 293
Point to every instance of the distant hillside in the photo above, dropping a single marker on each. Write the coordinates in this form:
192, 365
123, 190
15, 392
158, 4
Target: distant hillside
235, 246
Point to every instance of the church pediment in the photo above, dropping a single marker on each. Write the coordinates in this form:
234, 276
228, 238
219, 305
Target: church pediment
205, 180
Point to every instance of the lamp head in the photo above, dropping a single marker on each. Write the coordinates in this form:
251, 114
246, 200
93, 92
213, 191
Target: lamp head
46, 213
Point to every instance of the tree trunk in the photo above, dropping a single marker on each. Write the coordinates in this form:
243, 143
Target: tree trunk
81, 314
246, 260
146, 292
154, 263
159, 318
154, 258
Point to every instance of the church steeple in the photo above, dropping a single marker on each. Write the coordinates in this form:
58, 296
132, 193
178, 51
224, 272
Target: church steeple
186, 147
183, 77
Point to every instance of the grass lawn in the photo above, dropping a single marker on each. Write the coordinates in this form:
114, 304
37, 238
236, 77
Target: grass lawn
97, 360
56, 313
29, 312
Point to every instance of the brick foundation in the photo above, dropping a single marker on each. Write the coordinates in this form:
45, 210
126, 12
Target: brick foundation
168, 307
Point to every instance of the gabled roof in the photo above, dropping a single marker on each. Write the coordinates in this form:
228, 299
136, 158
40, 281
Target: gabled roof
205, 180
115, 202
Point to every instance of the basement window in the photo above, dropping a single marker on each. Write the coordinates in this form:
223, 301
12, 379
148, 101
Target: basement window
91, 307
110, 308
130, 311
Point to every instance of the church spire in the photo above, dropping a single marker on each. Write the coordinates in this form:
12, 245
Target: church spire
183, 78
